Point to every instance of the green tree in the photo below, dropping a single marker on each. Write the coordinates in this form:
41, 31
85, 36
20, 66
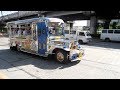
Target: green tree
114, 25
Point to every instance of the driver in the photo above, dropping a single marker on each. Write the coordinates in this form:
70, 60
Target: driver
52, 31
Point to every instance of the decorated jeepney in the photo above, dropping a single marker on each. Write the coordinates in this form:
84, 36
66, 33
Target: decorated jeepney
43, 36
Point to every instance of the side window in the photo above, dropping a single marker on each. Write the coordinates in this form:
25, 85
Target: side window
34, 31
104, 31
88, 34
66, 31
81, 34
110, 31
73, 32
117, 31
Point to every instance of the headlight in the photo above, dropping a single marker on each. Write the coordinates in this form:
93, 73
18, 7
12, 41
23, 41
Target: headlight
82, 51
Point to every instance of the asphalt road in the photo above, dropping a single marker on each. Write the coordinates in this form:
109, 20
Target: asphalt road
101, 61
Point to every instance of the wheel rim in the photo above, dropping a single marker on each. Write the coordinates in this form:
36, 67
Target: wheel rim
60, 56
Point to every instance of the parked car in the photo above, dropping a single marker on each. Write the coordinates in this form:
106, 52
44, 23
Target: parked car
80, 36
110, 35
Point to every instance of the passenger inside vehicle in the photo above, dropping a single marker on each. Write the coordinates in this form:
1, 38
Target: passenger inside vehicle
25, 32
19, 32
29, 31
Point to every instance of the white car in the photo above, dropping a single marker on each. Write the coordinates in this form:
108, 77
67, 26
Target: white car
80, 36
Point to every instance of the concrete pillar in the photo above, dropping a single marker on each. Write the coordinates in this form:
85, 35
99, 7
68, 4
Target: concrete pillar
71, 26
93, 25
67, 26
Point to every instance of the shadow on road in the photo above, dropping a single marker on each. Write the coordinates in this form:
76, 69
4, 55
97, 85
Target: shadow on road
10, 59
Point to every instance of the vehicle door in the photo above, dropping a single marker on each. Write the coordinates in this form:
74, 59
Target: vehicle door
42, 37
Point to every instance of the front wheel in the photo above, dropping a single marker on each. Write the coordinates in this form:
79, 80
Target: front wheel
80, 41
62, 56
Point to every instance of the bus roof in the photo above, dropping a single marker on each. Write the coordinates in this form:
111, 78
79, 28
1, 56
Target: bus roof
36, 19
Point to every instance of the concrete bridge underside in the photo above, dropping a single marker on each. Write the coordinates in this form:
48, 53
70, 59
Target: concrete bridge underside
65, 15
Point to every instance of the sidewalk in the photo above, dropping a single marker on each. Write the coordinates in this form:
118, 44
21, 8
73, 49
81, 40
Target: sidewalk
4, 41
3, 76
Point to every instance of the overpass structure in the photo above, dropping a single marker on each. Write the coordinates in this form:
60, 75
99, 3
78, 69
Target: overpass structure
65, 15
93, 16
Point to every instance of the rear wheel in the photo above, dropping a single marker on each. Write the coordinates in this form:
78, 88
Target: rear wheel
107, 39
18, 47
62, 56
11, 48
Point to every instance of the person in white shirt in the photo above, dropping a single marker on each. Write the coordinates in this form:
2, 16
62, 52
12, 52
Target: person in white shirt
25, 32
19, 32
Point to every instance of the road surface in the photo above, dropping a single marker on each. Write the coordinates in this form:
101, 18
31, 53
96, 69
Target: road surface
101, 61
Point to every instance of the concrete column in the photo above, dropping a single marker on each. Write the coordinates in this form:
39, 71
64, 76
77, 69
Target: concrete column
93, 25
67, 26
71, 26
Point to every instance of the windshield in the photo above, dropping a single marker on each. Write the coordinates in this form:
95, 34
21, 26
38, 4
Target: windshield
55, 28
66, 31
88, 34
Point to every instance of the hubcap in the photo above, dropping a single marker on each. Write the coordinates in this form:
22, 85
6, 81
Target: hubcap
60, 57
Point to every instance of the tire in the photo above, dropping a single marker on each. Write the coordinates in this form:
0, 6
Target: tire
50, 56
67, 38
11, 48
64, 56
17, 48
80, 41
107, 39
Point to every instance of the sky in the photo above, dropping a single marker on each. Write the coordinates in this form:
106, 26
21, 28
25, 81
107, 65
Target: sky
7, 12
80, 23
